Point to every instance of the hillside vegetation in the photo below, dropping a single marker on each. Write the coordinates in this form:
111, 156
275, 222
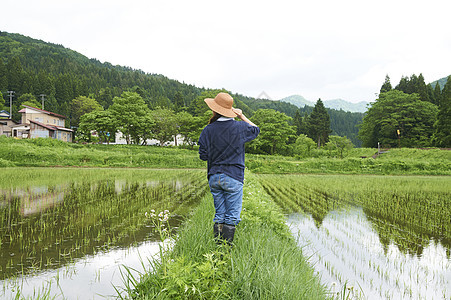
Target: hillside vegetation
52, 153
32, 68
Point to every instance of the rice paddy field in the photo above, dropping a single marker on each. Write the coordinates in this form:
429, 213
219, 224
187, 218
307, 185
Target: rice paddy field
72, 228
72, 233
378, 237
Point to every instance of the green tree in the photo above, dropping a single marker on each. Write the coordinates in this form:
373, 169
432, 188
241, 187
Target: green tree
3, 77
303, 146
437, 94
414, 84
386, 87
339, 144
422, 90
80, 106
442, 135
164, 126
318, 124
297, 122
189, 127
100, 121
178, 101
130, 112
105, 97
15, 75
45, 85
396, 110
275, 132
30, 100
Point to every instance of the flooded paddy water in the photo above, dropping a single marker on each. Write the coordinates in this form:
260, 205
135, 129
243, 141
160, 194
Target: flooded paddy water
372, 237
67, 232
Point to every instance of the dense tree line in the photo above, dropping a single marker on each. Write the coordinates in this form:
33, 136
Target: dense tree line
32, 68
410, 115
130, 115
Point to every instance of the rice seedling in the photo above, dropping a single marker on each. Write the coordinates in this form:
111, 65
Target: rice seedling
391, 235
46, 224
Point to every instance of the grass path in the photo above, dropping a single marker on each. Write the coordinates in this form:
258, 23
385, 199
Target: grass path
265, 262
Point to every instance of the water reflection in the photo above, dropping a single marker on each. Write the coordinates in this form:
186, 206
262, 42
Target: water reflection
348, 249
91, 277
46, 227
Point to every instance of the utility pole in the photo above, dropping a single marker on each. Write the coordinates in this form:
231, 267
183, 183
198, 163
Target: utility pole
10, 94
42, 98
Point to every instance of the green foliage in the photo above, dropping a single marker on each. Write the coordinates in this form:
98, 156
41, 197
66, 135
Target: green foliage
36, 67
100, 121
30, 100
386, 87
318, 124
395, 111
62, 75
303, 146
265, 260
442, 135
130, 113
339, 145
275, 132
190, 127
46, 152
82, 105
164, 126
415, 84
357, 161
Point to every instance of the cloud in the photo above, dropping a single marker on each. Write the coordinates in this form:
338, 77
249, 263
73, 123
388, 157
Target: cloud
319, 49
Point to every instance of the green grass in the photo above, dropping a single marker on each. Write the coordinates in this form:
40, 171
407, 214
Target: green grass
265, 262
359, 161
47, 152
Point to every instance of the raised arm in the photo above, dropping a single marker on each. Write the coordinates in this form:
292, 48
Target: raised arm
239, 114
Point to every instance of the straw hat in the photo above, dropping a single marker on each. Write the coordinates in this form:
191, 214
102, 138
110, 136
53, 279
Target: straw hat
222, 104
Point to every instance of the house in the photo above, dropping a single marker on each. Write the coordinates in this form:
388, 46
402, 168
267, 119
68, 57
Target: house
41, 123
6, 126
120, 140
4, 114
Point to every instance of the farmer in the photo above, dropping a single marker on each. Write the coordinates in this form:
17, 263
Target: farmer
221, 144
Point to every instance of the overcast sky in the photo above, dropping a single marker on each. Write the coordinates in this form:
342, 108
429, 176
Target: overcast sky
324, 49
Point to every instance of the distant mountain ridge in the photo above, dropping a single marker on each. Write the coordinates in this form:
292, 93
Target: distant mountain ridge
441, 82
337, 104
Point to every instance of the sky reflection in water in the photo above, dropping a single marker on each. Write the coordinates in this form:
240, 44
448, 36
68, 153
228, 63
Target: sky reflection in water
345, 248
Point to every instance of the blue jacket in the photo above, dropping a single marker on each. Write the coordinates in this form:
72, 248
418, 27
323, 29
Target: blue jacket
221, 144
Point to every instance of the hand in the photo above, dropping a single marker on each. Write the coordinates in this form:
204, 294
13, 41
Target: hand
238, 111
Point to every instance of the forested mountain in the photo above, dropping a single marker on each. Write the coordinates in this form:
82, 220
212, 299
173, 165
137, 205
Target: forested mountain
346, 106
338, 104
36, 67
32, 68
441, 83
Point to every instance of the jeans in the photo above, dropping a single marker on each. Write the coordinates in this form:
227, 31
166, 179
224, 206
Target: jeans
228, 198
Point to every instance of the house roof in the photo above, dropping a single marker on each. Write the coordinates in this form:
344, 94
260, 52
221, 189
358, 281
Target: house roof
50, 127
4, 113
43, 125
6, 121
41, 110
